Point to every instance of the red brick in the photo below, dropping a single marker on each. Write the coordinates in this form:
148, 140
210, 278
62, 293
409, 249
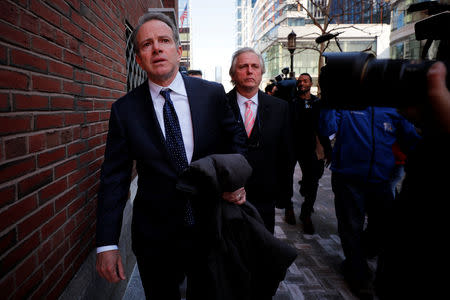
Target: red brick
17, 211
45, 12
53, 139
45, 47
58, 68
47, 30
104, 115
8, 195
13, 35
74, 118
36, 142
100, 152
60, 6
72, 88
91, 91
87, 183
63, 200
66, 168
46, 84
13, 80
26, 269
66, 136
77, 176
53, 225
30, 102
27, 60
4, 102
30, 285
7, 285
62, 103
15, 147
97, 68
92, 117
76, 148
10, 13
68, 26
35, 221
83, 77
58, 283
52, 190
19, 253
28, 22
72, 58
87, 157
69, 226
34, 182
15, 124
95, 141
44, 251
79, 20
16, 168
49, 121
50, 157
84, 104
100, 104
85, 132
8, 240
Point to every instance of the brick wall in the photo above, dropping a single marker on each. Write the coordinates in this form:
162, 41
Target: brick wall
62, 66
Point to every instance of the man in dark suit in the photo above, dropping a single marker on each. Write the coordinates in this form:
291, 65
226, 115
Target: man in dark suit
163, 125
269, 136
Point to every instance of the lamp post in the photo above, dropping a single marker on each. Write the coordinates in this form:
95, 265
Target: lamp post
292, 44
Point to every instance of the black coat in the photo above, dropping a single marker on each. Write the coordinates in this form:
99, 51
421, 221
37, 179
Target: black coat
270, 150
245, 260
135, 135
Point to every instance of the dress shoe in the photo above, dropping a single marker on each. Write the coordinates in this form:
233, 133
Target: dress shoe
289, 216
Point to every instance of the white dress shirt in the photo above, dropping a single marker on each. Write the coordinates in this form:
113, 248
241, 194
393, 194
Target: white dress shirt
241, 102
180, 102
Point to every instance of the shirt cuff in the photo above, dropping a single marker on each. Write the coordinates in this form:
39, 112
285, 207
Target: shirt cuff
107, 248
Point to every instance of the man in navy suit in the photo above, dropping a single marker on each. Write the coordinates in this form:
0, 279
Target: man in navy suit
163, 237
269, 130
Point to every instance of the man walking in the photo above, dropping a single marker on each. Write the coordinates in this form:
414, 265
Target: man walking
267, 123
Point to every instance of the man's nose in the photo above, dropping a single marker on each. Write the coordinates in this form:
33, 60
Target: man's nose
156, 47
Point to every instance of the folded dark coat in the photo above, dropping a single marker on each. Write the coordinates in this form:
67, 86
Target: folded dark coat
245, 260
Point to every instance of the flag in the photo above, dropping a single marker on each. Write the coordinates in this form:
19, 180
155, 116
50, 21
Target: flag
183, 15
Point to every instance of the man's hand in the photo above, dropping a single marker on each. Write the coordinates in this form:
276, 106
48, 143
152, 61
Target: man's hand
236, 197
109, 266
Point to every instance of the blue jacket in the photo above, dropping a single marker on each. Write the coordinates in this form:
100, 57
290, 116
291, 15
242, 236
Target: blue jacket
364, 138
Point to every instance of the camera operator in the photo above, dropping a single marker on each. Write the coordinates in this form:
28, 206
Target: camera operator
311, 153
411, 262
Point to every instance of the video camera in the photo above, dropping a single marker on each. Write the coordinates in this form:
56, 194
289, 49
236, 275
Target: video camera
352, 80
285, 86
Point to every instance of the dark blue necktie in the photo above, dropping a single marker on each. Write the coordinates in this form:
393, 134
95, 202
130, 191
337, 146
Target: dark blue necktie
175, 145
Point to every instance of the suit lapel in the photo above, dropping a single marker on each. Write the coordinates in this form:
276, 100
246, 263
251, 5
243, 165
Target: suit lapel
153, 124
232, 97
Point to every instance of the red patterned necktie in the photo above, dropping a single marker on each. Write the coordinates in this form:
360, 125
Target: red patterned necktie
249, 117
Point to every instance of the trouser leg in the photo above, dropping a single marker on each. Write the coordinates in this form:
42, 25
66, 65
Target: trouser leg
350, 212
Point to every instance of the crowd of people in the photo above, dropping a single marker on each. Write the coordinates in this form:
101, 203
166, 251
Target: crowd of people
173, 120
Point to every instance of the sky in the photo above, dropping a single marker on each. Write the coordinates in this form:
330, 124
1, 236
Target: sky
212, 37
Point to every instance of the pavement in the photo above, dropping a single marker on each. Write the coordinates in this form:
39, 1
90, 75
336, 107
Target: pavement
315, 274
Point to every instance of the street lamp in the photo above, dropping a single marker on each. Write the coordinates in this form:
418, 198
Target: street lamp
292, 44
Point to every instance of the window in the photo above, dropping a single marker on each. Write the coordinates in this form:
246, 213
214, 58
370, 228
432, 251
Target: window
135, 75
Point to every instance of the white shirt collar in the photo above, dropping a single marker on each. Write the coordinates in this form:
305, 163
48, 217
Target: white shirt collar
177, 86
241, 99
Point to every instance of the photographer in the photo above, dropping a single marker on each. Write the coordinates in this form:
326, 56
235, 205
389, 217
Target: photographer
414, 253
